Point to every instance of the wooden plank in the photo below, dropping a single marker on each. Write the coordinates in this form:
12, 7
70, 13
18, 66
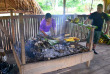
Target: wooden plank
52, 65
16, 31
91, 39
37, 27
34, 27
3, 39
24, 28
0, 41
28, 28
12, 26
7, 28
78, 31
88, 63
17, 59
5, 32
58, 25
17, 11
22, 38
64, 4
64, 27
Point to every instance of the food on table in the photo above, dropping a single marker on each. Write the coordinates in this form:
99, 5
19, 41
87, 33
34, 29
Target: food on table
67, 34
39, 49
76, 20
71, 39
104, 39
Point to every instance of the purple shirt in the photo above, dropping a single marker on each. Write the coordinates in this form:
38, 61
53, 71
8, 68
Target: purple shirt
45, 28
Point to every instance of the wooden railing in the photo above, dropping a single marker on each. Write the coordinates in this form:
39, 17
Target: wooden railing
31, 28
5, 33
76, 30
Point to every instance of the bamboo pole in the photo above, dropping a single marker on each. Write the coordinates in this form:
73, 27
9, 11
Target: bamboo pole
90, 44
105, 5
91, 39
17, 59
5, 31
22, 37
64, 4
12, 25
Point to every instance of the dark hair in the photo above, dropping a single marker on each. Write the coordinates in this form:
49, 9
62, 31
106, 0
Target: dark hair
48, 15
100, 5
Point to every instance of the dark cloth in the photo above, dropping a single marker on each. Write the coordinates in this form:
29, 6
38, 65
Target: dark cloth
98, 19
96, 37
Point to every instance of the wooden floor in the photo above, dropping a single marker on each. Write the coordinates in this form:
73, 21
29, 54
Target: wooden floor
99, 65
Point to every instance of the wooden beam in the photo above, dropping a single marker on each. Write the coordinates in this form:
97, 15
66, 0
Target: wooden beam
17, 11
91, 39
56, 64
17, 59
12, 26
88, 63
22, 38
64, 4
105, 5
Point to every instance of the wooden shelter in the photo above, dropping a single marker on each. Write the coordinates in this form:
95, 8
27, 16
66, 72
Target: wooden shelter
27, 26
20, 6
24, 27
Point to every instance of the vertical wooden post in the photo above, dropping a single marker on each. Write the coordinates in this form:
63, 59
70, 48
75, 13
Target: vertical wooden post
91, 39
88, 63
90, 43
22, 38
64, 4
12, 25
105, 5
66, 27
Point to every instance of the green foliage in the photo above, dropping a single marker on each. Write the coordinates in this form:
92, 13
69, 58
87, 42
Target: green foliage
69, 3
45, 5
72, 6
80, 8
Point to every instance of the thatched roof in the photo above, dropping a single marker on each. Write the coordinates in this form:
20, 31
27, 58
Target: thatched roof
20, 6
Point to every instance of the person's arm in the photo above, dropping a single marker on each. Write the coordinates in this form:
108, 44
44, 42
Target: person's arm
44, 33
108, 23
86, 21
89, 18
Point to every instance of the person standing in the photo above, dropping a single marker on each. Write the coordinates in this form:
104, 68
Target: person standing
97, 18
